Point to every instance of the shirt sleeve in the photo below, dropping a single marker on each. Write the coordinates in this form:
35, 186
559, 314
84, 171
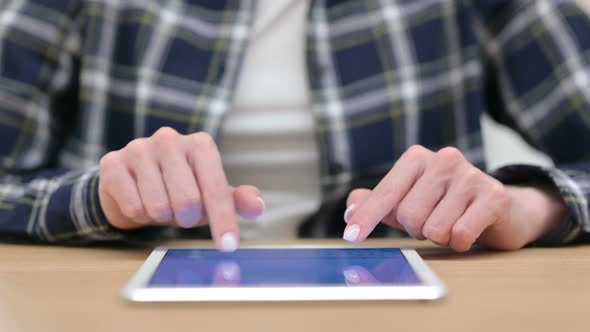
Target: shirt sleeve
538, 82
38, 200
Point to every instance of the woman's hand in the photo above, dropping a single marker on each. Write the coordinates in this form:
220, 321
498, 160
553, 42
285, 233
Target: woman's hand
173, 179
440, 196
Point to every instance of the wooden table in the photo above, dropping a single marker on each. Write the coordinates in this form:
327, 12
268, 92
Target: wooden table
45, 288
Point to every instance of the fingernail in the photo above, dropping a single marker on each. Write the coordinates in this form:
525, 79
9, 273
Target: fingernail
262, 203
251, 215
189, 217
401, 221
347, 213
229, 243
351, 233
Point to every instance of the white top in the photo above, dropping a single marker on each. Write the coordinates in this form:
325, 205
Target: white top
268, 137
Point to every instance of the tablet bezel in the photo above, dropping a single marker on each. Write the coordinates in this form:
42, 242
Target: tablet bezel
138, 291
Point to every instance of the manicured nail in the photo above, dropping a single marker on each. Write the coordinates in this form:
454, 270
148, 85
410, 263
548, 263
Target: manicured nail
347, 213
229, 242
262, 203
401, 221
189, 217
251, 215
351, 233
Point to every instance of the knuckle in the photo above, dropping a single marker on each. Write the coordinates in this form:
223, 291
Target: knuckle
462, 238
133, 211
166, 138
137, 148
435, 234
204, 140
109, 160
451, 153
407, 216
449, 157
166, 133
108, 168
157, 210
469, 183
416, 151
471, 176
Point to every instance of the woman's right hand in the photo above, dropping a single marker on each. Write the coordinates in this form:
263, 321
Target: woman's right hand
174, 179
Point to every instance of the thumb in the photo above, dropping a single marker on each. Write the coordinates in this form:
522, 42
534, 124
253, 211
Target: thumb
355, 199
358, 197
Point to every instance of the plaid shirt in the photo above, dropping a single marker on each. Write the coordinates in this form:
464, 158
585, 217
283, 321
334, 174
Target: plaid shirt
79, 78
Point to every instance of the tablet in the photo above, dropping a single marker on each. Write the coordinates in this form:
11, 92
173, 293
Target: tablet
294, 273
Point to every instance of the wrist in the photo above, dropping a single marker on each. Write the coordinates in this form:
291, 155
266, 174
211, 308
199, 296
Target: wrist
541, 209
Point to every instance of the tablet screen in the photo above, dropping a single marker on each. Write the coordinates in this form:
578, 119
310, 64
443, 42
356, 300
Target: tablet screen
284, 267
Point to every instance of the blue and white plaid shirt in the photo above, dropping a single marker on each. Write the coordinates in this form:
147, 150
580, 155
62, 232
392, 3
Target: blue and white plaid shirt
79, 78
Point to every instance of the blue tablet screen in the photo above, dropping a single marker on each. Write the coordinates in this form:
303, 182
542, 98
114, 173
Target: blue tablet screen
284, 267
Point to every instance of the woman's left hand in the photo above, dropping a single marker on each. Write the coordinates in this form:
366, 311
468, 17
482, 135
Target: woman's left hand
442, 197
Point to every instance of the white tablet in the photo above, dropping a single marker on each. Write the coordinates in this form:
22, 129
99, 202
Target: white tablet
294, 273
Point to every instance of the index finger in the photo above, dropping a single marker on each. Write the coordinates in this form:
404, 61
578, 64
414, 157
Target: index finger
387, 194
216, 193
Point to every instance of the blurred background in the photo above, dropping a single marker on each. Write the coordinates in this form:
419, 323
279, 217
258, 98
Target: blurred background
507, 146
503, 146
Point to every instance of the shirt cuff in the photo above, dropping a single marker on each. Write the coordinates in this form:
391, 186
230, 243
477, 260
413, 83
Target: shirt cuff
107, 232
74, 215
537, 176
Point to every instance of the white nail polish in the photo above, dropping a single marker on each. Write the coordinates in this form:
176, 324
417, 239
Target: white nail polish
402, 222
251, 217
348, 212
262, 202
351, 233
189, 217
229, 242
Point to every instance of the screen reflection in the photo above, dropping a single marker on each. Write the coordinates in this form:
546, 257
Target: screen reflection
283, 267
